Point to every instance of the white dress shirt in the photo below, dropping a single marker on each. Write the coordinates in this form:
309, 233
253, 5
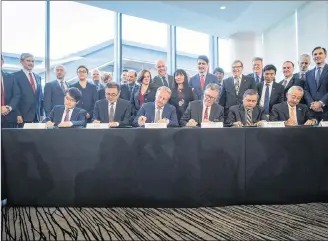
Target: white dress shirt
208, 112
263, 93
160, 113
27, 73
289, 111
288, 80
64, 83
69, 115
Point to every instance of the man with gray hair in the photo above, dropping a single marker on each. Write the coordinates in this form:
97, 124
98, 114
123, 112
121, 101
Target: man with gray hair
95, 74
158, 111
30, 107
303, 64
54, 91
162, 79
205, 110
257, 74
248, 113
291, 111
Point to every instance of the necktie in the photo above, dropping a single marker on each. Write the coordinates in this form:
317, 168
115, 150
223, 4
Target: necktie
257, 79
206, 114
157, 115
237, 85
62, 86
285, 83
303, 76
67, 115
292, 113
111, 113
266, 100
2, 95
202, 81
249, 118
165, 82
317, 77
32, 82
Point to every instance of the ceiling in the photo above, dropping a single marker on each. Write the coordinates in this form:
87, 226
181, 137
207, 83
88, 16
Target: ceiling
206, 16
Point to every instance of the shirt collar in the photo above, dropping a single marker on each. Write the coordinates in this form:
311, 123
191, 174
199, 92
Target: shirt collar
109, 104
26, 71
321, 66
288, 79
264, 83
289, 107
200, 74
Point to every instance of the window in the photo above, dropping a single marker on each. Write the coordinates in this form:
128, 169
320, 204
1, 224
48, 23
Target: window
23, 33
144, 42
190, 44
225, 56
76, 40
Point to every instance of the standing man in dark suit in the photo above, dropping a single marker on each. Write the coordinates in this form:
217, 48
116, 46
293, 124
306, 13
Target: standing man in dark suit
270, 92
290, 79
96, 79
234, 87
162, 79
304, 64
219, 72
199, 81
10, 96
54, 91
316, 85
30, 107
129, 88
206, 110
291, 111
68, 115
247, 114
257, 70
159, 111
112, 110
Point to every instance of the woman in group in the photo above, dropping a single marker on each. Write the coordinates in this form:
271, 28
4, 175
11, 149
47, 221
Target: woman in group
146, 92
182, 93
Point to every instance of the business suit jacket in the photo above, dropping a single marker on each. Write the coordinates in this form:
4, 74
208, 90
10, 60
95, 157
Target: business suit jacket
280, 112
189, 95
228, 96
30, 104
298, 76
78, 117
122, 112
277, 94
312, 92
148, 97
252, 75
195, 111
237, 113
148, 110
53, 95
12, 96
126, 94
158, 81
194, 83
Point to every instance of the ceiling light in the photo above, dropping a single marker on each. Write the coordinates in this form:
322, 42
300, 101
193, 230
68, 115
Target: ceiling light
223, 7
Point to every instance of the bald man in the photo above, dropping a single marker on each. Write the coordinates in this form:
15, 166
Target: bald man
162, 79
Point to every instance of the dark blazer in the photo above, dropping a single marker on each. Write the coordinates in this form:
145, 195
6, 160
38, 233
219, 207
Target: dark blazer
277, 94
148, 110
101, 94
280, 112
53, 95
126, 94
30, 104
149, 97
298, 76
189, 95
158, 81
12, 95
252, 75
194, 83
195, 111
237, 113
312, 92
293, 82
228, 96
122, 112
78, 117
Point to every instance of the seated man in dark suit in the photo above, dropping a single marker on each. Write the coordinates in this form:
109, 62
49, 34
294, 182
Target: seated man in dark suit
68, 115
195, 113
247, 114
112, 110
158, 111
291, 111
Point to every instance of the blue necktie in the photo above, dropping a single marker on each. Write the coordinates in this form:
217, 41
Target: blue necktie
257, 79
317, 77
266, 100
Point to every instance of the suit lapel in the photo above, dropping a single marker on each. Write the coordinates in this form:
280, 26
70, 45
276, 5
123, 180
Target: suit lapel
213, 112
299, 113
260, 89
74, 114
273, 92
117, 115
242, 114
106, 111
23, 75
285, 110
242, 85
200, 114
290, 83
233, 85
323, 74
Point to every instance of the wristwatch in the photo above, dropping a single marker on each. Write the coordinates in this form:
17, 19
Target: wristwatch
9, 108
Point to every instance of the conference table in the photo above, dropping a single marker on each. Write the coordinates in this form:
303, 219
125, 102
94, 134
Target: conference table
173, 167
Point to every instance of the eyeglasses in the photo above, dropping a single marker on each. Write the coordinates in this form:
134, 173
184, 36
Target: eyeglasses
69, 99
112, 95
236, 67
210, 97
82, 71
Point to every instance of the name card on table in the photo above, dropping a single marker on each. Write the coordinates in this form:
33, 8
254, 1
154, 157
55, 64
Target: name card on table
156, 125
273, 124
97, 126
323, 124
35, 126
211, 125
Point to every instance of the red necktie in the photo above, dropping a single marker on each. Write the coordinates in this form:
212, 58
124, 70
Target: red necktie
32, 82
67, 115
206, 114
302, 76
202, 81
2, 95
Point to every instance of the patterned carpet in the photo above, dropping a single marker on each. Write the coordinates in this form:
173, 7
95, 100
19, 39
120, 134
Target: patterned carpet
303, 221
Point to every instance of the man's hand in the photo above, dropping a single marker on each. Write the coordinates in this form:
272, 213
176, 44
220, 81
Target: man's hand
237, 124
65, 124
4, 110
41, 118
50, 124
290, 122
164, 120
259, 123
142, 120
19, 119
309, 123
191, 123
206, 120
88, 116
316, 106
96, 121
112, 124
